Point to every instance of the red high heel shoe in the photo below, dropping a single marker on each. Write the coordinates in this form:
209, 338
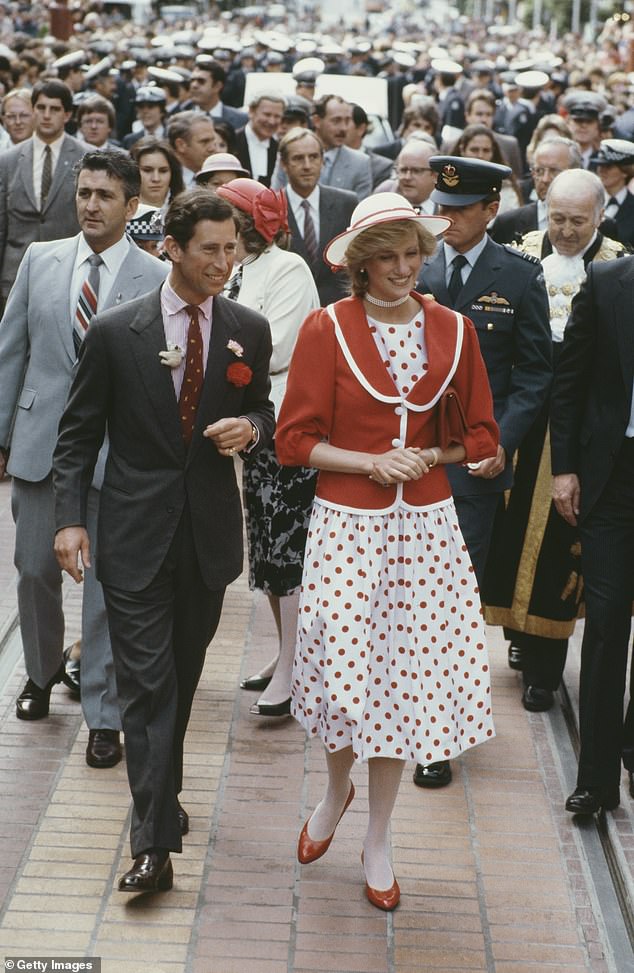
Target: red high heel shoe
309, 850
386, 899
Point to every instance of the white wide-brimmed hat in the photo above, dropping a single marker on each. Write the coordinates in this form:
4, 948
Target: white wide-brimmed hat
380, 208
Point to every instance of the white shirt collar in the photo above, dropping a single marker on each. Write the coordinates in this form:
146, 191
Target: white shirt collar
112, 257
39, 145
252, 137
471, 255
296, 200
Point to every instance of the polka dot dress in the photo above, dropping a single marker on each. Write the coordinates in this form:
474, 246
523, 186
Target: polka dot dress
391, 656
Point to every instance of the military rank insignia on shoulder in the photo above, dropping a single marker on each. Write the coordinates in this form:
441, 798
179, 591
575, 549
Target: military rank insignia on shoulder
510, 248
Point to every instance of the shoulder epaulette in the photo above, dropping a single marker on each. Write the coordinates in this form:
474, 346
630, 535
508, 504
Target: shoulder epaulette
532, 259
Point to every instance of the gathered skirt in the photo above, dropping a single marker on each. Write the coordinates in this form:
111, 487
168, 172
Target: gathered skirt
391, 656
278, 502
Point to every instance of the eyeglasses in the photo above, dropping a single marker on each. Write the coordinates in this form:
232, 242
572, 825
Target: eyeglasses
413, 170
540, 171
17, 118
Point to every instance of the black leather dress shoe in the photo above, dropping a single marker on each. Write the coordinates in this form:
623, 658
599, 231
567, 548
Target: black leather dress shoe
183, 819
515, 657
255, 684
104, 748
537, 700
152, 872
589, 800
433, 775
271, 709
72, 669
33, 702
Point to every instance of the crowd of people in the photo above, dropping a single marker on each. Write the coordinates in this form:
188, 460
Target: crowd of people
404, 322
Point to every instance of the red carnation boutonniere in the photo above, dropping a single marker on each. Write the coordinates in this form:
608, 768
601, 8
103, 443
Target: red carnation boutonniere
238, 373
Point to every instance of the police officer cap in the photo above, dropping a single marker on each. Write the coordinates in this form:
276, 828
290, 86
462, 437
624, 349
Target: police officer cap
461, 182
147, 226
308, 69
531, 79
614, 152
163, 75
74, 59
150, 94
99, 69
274, 57
444, 65
584, 104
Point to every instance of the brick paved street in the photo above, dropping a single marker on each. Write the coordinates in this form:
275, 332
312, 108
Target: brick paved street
492, 871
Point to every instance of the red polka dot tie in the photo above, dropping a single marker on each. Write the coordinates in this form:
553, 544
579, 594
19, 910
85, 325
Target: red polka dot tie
193, 377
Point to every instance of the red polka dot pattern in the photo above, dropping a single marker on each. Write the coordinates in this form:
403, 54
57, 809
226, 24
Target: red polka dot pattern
391, 656
402, 349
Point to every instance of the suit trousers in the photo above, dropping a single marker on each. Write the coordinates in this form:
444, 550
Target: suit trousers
159, 641
40, 604
476, 516
39, 578
98, 682
607, 556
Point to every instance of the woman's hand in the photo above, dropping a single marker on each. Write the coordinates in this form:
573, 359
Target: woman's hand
398, 465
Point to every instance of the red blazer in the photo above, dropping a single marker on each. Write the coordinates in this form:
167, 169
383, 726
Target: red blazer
340, 391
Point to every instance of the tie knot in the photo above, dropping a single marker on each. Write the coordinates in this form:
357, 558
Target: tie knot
613, 201
305, 205
95, 260
459, 261
193, 311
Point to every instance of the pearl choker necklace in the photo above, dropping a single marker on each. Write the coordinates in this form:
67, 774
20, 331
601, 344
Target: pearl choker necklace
379, 303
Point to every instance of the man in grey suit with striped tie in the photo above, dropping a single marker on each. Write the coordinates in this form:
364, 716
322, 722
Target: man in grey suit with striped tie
59, 286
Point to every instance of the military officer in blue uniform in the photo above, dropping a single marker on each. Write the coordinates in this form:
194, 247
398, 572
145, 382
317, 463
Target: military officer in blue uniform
502, 291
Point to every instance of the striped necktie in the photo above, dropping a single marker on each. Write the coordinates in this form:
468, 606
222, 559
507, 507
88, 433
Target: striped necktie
87, 303
310, 239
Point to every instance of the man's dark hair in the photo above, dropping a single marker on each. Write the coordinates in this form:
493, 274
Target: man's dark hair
214, 68
117, 164
192, 206
53, 89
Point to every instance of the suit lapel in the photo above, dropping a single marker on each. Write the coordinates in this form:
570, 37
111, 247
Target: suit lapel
64, 260
296, 237
484, 276
148, 339
326, 228
25, 166
129, 282
63, 171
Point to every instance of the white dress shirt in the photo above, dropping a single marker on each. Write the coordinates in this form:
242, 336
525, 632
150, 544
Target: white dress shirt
470, 256
258, 152
38, 162
113, 259
296, 203
176, 325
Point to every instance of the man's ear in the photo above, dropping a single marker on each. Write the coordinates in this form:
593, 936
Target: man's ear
173, 249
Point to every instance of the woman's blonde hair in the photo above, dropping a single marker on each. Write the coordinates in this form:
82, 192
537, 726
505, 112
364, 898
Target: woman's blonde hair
384, 236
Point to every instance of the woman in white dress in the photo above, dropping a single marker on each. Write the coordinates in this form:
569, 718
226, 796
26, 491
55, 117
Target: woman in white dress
391, 662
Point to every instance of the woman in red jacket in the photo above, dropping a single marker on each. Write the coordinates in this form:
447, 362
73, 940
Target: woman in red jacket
391, 662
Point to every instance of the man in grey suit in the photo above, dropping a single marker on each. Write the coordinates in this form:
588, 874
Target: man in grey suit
37, 193
343, 168
38, 358
327, 210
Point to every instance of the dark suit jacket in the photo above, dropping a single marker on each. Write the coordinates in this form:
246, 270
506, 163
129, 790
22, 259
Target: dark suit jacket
592, 390
506, 299
149, 474
624, 220
511, 226
242, 152
21, 221
335, 210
